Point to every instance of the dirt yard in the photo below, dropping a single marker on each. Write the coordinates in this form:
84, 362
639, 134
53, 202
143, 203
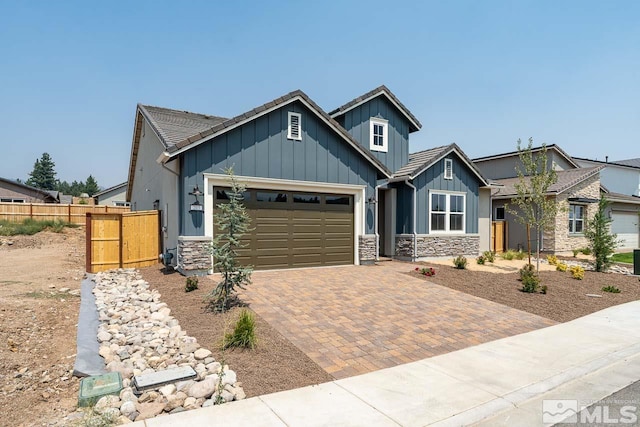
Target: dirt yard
566, 298
38, 326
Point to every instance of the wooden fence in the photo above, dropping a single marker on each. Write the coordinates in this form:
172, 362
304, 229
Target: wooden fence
17, 212
122, 240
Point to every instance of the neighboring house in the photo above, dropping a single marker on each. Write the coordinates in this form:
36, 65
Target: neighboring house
113, 196
17, 192
322, 189
621, 181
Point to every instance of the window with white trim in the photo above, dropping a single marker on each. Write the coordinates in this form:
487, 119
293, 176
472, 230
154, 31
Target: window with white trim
576, 219
295, 126
378, 135
448, 169
446, 212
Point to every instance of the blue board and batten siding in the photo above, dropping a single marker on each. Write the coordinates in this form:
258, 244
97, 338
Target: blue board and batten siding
463, 181
261, 148
356, 122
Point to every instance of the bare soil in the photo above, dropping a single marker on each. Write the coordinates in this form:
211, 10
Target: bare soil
566, 298
38, 326
274, 365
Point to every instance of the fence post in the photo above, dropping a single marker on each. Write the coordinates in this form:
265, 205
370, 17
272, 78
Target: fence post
69, 206
30, 210
121, 243
88, 243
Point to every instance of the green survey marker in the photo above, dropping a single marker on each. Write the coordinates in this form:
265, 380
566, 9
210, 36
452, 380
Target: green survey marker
93, 388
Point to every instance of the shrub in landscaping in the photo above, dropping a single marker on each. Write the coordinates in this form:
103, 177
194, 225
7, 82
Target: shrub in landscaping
530, 282
481, 260
611, 289
192, 284
552, 259
561, 266
489, 256
426, 271
577, 272
526, 270
509, 255
520, 255
543, 289
586, 251
460, 262
244, 332
576, 252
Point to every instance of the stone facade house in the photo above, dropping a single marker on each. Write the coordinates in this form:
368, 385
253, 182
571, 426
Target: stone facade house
323, 188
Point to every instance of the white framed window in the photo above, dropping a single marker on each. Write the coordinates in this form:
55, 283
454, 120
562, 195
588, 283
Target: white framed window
576, 219
500, 214
448, 169
378, 135
447, 212
295, 126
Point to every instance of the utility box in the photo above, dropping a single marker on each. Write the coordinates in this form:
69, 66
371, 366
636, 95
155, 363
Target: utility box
636, 262
95, 387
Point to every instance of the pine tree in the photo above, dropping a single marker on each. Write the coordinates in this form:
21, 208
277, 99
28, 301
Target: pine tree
232, 222
43, 175
91, 186
602, 243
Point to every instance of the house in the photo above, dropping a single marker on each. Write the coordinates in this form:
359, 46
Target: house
621, 182
113, 196
17, 192
322, 188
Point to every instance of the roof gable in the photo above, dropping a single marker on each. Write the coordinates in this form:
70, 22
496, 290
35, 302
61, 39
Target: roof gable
421, 161
635, 163
626, 164
534, 150
107, 190
415, 124
46, 194
566, 180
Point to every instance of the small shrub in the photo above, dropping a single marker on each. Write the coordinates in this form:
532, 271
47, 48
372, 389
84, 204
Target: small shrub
577, 272
586, 251
611, 289
526, 270
489, 256
552, 259
561, 266
520, 255
480, 260
509, 255
530, 283
192, 284
460, 262
426, 271
543, 289
575, 252
244, 332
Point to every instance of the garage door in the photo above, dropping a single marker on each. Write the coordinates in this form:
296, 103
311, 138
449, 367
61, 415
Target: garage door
625, 225
296, 229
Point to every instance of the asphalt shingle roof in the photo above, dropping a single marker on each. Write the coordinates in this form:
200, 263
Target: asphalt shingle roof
566, 180
629, 162
420, 160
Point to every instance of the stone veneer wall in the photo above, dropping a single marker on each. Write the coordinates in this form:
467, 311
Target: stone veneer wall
194, 258
559, 240
367, 248
437, 246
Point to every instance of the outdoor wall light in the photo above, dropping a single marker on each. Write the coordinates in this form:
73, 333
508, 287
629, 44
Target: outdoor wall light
196, 206
372, 200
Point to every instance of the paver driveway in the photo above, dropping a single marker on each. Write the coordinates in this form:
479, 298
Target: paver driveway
356, 319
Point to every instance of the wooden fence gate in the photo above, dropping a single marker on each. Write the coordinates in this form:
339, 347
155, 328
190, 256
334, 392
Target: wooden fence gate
498, 236
122, 240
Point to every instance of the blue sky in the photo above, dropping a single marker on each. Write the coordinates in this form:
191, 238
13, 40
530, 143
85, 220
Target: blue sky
478, 73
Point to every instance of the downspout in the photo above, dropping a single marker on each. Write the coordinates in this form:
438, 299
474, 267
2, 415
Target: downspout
415, 234
375, 218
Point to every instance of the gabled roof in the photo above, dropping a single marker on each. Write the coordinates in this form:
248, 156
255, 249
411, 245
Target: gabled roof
566, 180
44, 193
423, 160
180, 131
622, 198
628, 165
115, 187
555, 147
635, 163
379, 91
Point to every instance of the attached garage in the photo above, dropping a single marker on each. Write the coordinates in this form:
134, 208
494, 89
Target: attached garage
625, 225
293, 229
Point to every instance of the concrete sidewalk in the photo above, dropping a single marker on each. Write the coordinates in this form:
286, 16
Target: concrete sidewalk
501, 382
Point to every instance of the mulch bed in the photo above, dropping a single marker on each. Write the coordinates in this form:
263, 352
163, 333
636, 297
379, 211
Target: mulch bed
565, 299
274, 365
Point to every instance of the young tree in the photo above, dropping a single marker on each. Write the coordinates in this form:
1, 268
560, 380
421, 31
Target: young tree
91, 186
602, 243
533, 208
232, 222
43, 175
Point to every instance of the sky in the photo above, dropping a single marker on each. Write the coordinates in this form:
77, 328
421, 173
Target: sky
481, 74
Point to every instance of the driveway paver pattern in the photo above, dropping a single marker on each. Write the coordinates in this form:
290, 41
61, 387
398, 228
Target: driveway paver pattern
356, 319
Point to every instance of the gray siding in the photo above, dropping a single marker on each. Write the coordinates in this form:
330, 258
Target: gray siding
260, 148
463, 181
356, 122
506, 167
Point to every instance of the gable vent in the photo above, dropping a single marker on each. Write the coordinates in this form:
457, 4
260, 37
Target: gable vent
294, 131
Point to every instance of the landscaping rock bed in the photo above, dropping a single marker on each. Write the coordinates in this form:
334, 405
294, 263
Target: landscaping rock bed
614, 268
138, 335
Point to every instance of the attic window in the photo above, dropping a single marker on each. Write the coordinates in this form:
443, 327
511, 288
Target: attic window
294, 131
448, 169
378, 135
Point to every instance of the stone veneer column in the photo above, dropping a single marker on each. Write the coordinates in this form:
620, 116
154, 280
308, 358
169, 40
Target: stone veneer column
194, 258
367, 248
